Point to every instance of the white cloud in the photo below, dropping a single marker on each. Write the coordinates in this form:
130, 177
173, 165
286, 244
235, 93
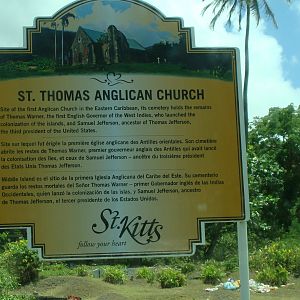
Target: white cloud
16, 14
267, 87
294, 60
296, 5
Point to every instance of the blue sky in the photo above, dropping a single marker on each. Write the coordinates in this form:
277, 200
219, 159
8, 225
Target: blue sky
287, 34
274, 53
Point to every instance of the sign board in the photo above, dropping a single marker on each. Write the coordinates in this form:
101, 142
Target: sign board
118, 136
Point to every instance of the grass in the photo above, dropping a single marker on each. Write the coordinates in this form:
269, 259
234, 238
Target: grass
63, 279
56, 269
42, 67
138, 289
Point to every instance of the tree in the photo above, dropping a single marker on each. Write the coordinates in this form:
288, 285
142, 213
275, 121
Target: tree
274, 180
266, 185
64, 23
276, 138
250, 7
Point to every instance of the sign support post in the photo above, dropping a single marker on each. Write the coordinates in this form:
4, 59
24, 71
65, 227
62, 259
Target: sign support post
243, 260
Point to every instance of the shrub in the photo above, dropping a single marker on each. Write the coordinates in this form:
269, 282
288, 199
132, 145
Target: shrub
82, 271
273, 276
212, 272
231, 264
3, 240
146, 273
184, 264
171, 278
296, 269
56, 269
43, 63
21, 262
187, 267
7, 282
226, 246
274, 262
114, 274
16, 297
277, 254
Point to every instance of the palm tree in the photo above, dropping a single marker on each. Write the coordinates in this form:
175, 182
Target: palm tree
54, 24
64, 23
241, 7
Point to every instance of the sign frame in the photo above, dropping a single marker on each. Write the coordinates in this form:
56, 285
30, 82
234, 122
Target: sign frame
116, 78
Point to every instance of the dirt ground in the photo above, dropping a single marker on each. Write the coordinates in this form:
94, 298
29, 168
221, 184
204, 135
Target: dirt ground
95, 289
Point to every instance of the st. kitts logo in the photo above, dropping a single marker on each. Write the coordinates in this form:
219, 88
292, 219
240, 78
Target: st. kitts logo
142, 231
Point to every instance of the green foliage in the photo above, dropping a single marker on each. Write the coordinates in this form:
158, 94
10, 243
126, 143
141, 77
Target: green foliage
82, 271
25, 68
265, 189
7, 282
274, 168
274, 185
56, 269
187, 267
21, 262
212, 272
273, 276
171, 278
43, 64
277, 254
11, 235
296, 269
184, 264
3, 240
275, 262
226, 247
16, 297
114, 274
231, 264
146, 273
150, 261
